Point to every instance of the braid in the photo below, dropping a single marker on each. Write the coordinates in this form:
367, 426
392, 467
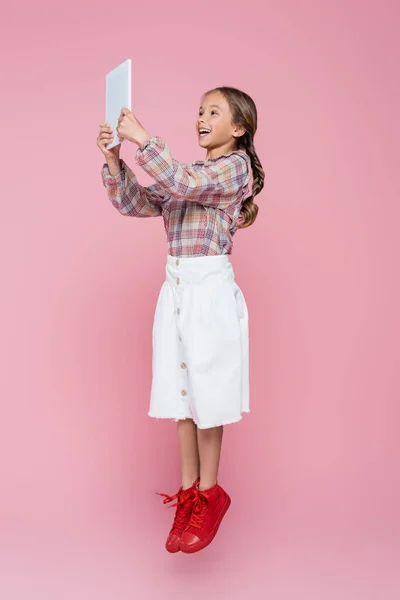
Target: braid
249, 208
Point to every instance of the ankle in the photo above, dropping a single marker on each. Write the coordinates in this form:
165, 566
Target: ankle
188, 482
206, 485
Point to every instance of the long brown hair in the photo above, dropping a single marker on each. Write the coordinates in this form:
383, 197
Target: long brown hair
244, 113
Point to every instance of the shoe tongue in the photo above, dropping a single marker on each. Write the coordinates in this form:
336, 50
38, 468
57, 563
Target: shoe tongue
188, 491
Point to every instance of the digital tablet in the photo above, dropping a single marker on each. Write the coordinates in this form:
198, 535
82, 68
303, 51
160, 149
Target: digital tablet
118, 96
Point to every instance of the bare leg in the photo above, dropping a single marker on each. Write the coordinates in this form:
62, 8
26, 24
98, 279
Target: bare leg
188, 451
209, 442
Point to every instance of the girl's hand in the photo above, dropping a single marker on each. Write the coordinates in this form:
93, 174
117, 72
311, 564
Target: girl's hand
130, 129
104, 138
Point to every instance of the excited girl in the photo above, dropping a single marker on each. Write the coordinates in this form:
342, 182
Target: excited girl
200, 363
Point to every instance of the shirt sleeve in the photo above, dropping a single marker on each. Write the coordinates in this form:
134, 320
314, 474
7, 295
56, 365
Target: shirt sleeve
129, 197
218, 184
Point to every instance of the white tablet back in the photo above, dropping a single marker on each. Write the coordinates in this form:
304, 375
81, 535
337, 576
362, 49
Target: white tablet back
118, 96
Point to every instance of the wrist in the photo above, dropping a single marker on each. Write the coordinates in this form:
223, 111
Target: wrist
143, 139
113, 160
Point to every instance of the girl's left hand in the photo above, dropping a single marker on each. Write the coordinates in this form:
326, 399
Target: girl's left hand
129, 128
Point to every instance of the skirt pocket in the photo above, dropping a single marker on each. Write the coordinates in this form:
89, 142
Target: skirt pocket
227, 308
240, 301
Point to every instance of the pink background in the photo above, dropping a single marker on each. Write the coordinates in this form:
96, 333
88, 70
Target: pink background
313, 470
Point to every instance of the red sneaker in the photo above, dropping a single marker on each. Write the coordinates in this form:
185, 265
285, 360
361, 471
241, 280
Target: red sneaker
184, 504
208, 511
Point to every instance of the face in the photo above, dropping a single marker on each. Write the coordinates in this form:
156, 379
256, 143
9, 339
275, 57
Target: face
215, 116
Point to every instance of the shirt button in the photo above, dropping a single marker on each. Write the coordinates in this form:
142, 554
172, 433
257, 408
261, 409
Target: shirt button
183, 392
183, 365
177, 261
178, 310
178, 281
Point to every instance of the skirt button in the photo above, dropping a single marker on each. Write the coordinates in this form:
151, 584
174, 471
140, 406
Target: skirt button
183, 392
183, 365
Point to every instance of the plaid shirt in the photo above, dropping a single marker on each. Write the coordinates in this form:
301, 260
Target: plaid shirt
200, 202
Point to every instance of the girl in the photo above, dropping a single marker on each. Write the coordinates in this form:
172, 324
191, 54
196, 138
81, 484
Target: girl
200, 365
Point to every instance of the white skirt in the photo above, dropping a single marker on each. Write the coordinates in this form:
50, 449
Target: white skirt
200, 365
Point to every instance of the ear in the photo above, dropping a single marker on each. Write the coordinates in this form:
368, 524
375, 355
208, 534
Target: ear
238, 131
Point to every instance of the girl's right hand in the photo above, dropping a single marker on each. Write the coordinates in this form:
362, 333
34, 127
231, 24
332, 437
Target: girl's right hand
104, 138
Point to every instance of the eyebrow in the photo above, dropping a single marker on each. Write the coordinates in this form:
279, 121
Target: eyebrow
216, 105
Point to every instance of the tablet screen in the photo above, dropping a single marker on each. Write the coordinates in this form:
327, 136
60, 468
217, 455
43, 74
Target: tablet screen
118, 96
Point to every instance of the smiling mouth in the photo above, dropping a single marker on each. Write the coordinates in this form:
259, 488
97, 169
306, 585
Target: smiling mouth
204, 134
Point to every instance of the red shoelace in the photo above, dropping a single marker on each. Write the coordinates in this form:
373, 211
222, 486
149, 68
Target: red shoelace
183, 507
199, 510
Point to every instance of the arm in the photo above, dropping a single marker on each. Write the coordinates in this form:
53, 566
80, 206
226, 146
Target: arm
217, 184
129, 197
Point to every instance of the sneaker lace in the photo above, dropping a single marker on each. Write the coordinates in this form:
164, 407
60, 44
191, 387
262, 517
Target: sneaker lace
199, 510
183, 507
